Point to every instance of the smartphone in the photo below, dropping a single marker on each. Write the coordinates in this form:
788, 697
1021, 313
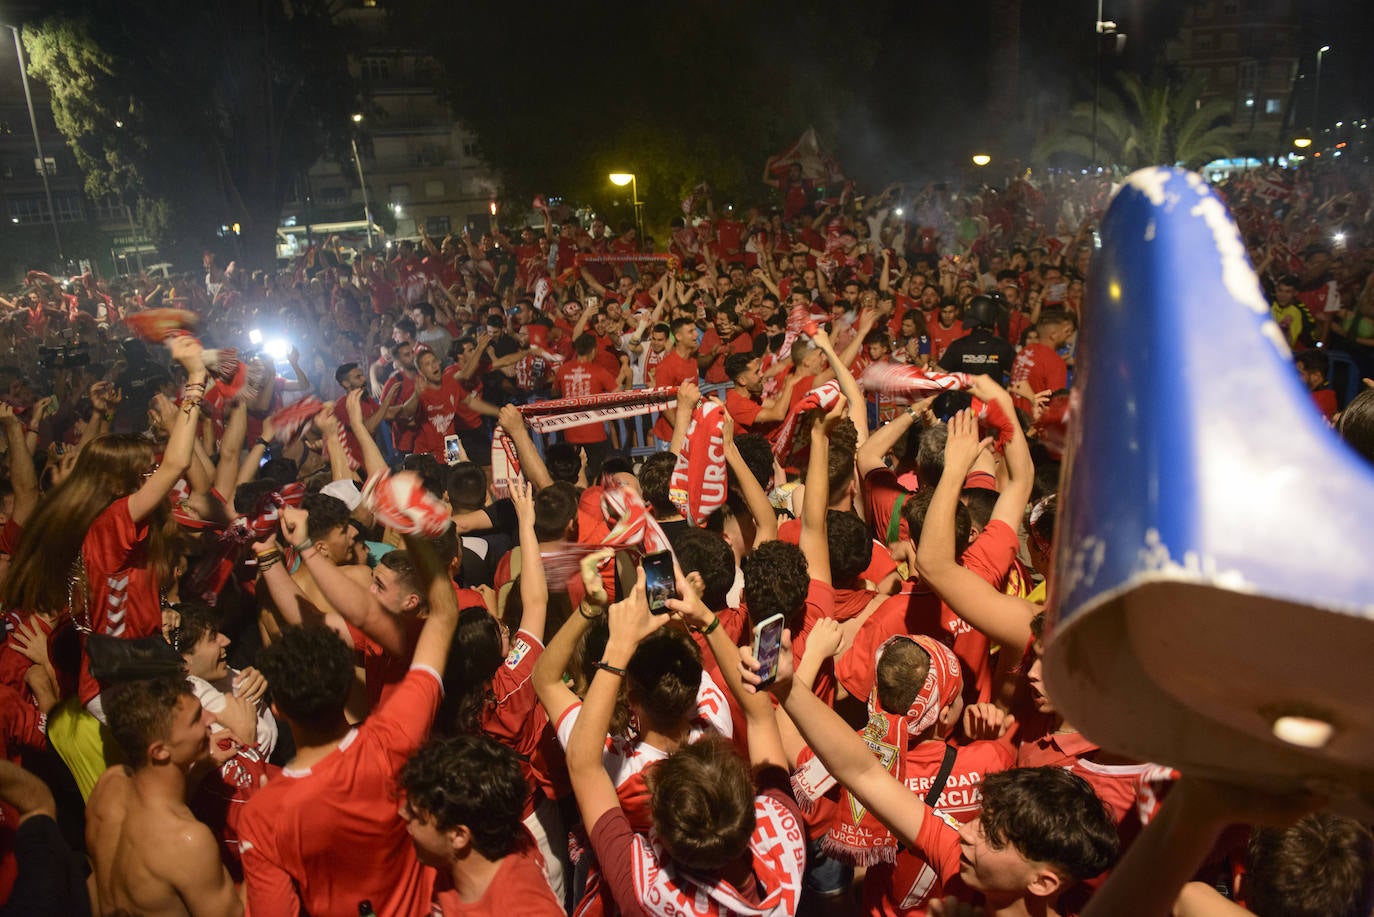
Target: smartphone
452, 451
767, 648
660, 583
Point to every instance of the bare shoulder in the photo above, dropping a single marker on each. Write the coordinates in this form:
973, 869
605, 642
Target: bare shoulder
111, 792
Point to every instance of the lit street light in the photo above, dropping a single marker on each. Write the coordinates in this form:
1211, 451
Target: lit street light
362, 180
1302, 143
620, 180
1317, 89
981, 159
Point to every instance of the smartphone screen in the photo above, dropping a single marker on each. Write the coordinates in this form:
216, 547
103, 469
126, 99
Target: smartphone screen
659, 582
767, 646
451, 453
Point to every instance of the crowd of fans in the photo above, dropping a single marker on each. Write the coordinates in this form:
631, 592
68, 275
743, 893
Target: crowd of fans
307, 643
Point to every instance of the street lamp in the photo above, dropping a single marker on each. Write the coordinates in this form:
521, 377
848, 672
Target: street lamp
37, 144
362, 180
1101, 29
981, 159
1302, 143
1317, 90
620, 180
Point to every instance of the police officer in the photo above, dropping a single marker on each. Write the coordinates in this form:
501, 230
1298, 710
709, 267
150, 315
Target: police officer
981, 350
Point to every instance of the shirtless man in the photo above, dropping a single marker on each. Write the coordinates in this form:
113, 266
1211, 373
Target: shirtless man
150, 856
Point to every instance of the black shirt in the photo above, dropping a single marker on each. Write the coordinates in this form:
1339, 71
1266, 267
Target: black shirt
979, 352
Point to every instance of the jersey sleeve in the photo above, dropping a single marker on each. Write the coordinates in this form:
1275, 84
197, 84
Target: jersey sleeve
270, 890
514, 717
992, 552
112, 536
402, 723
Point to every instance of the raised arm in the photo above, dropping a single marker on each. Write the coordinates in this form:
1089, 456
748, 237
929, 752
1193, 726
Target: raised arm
431, 647
1015, 489
630, 623
547, 676
534, 593
531, 462
765, 519
1003, 618
23, 478
816, 498
230, 448
349, 598
302, 382
845, 755
328, 425
177, 454
839, 365
373, 460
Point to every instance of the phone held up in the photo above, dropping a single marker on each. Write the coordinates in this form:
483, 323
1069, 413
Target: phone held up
452, 452
767, 648
660, 583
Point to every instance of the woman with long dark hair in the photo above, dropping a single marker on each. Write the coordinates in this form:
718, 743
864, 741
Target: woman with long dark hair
98, 546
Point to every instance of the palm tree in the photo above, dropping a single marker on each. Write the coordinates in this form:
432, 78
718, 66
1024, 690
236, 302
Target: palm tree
1160, 123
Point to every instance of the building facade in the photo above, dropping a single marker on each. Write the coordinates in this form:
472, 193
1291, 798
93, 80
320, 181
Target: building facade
421, 167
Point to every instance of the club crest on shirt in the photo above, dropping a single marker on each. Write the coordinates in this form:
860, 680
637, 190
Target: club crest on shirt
518, 649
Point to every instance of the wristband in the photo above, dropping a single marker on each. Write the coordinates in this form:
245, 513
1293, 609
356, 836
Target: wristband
605, 666
582, 610
305, 545
710, 628
264, 443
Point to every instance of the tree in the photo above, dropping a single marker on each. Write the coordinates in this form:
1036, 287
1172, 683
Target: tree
1160, 123
201, 114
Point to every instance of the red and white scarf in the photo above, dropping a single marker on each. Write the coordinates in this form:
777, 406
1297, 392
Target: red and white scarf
778, 848
401, 503
796, 321
633, 529
824, 396
212, 571
561, 413
855, 835
698, 485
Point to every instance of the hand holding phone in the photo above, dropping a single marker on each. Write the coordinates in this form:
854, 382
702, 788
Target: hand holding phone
767, 649
660, 581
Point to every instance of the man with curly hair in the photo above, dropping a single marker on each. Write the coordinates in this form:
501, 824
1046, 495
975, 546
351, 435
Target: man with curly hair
463, 798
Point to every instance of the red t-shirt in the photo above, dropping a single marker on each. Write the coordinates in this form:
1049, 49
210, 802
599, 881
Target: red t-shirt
740, 343
743, 409
123, 600
322, 839
403, 429
922, 612
1038, 365
928, 872
941, 337
674, 369
578, 380
1325, 400
515, 718
519, 887
443, 411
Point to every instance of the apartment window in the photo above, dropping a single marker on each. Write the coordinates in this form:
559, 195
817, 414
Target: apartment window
1204, 10
1226, 75
398, 194
376, 68
1203, 41
437, 227
28, 209
1228, 41
333, 195
1248, 74
68, 208
1230, 8
47, 163
107, 208
434, 189
470, 150
1273, 106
